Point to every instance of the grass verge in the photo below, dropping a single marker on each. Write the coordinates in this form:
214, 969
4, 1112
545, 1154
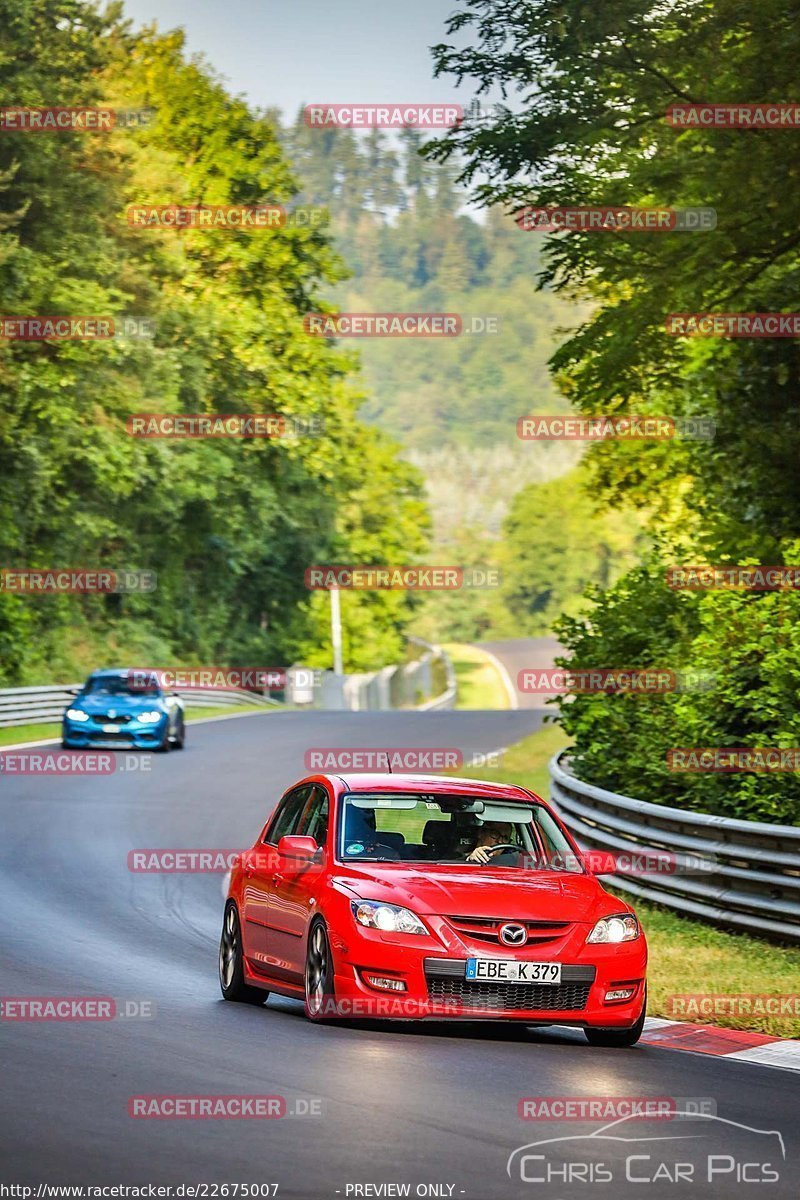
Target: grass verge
40, 733
687, 957
480, 684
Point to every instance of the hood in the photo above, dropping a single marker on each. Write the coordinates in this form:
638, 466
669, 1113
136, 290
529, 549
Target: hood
472, 891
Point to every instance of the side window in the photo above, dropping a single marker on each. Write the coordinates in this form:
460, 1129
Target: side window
315, 819
287, 815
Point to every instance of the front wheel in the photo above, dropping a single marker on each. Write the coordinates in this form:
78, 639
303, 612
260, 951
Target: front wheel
320, 1000
618, 1037
180, 737
231, 965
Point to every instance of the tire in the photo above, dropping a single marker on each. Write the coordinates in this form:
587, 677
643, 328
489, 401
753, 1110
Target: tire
320, 1000
231, 966
618, 1037
180, 741
163, 746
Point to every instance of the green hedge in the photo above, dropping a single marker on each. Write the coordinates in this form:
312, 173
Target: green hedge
747, 644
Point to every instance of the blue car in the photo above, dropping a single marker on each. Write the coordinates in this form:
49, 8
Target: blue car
124, 708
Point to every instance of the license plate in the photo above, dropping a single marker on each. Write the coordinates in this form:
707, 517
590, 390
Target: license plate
111, 729
504, 969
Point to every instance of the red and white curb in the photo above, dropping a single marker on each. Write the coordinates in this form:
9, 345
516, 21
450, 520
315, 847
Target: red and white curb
739, 1045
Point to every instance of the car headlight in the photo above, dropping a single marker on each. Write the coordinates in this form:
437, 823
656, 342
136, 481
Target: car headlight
621, 928
389, 917
149, 718
77, 714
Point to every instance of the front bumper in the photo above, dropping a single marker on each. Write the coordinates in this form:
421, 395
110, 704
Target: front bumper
131, 735
436, 985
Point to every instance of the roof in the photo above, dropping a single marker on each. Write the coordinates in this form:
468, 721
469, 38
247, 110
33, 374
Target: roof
431, 784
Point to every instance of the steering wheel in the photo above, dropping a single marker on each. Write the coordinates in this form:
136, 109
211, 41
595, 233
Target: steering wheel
501, 846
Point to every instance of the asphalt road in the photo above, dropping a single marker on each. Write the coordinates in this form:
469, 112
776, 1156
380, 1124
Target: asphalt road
526, 654
406, 1104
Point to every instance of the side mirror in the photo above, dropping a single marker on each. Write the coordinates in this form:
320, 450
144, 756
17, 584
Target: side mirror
295, 853
599, 862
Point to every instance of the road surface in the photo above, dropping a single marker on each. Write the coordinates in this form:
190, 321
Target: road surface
407, 1105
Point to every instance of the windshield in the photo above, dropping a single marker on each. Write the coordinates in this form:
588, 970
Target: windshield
452, 829
120, 685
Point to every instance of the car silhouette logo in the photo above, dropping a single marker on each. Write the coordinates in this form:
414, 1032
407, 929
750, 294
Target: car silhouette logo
513, 935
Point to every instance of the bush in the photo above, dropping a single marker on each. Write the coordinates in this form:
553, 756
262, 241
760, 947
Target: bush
747, 642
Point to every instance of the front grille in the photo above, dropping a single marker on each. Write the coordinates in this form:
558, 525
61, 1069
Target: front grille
487, 929
105, 719
98, 735
503, 997
447, 983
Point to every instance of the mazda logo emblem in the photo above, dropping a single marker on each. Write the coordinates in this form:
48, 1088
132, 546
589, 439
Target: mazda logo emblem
513, 935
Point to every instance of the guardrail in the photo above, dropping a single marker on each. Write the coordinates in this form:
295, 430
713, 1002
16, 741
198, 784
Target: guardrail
392, 687
399, 687
742, 874
43, 705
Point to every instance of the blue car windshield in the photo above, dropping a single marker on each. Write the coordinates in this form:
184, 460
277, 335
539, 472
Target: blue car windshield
121, 685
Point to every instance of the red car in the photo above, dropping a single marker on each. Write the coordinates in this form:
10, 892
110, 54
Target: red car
430, 897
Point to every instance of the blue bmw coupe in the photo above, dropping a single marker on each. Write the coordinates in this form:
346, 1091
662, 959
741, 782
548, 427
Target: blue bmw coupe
121, 708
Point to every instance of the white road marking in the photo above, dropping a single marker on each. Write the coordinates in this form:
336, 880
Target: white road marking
511, 691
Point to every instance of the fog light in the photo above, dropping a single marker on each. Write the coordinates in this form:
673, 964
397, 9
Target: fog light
388, 985
619, 994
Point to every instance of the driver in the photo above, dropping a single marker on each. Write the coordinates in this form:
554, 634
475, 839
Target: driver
493, 833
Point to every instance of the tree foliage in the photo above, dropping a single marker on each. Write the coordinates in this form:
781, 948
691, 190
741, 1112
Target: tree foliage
229, 526
588, 88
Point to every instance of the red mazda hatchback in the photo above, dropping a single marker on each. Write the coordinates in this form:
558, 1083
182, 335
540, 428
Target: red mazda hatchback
430, 897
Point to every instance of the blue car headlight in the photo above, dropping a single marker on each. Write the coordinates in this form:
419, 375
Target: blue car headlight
77, 714
150, 718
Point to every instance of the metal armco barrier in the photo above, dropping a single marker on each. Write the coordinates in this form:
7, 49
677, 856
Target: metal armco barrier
742, 874
406, 686
43, 705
